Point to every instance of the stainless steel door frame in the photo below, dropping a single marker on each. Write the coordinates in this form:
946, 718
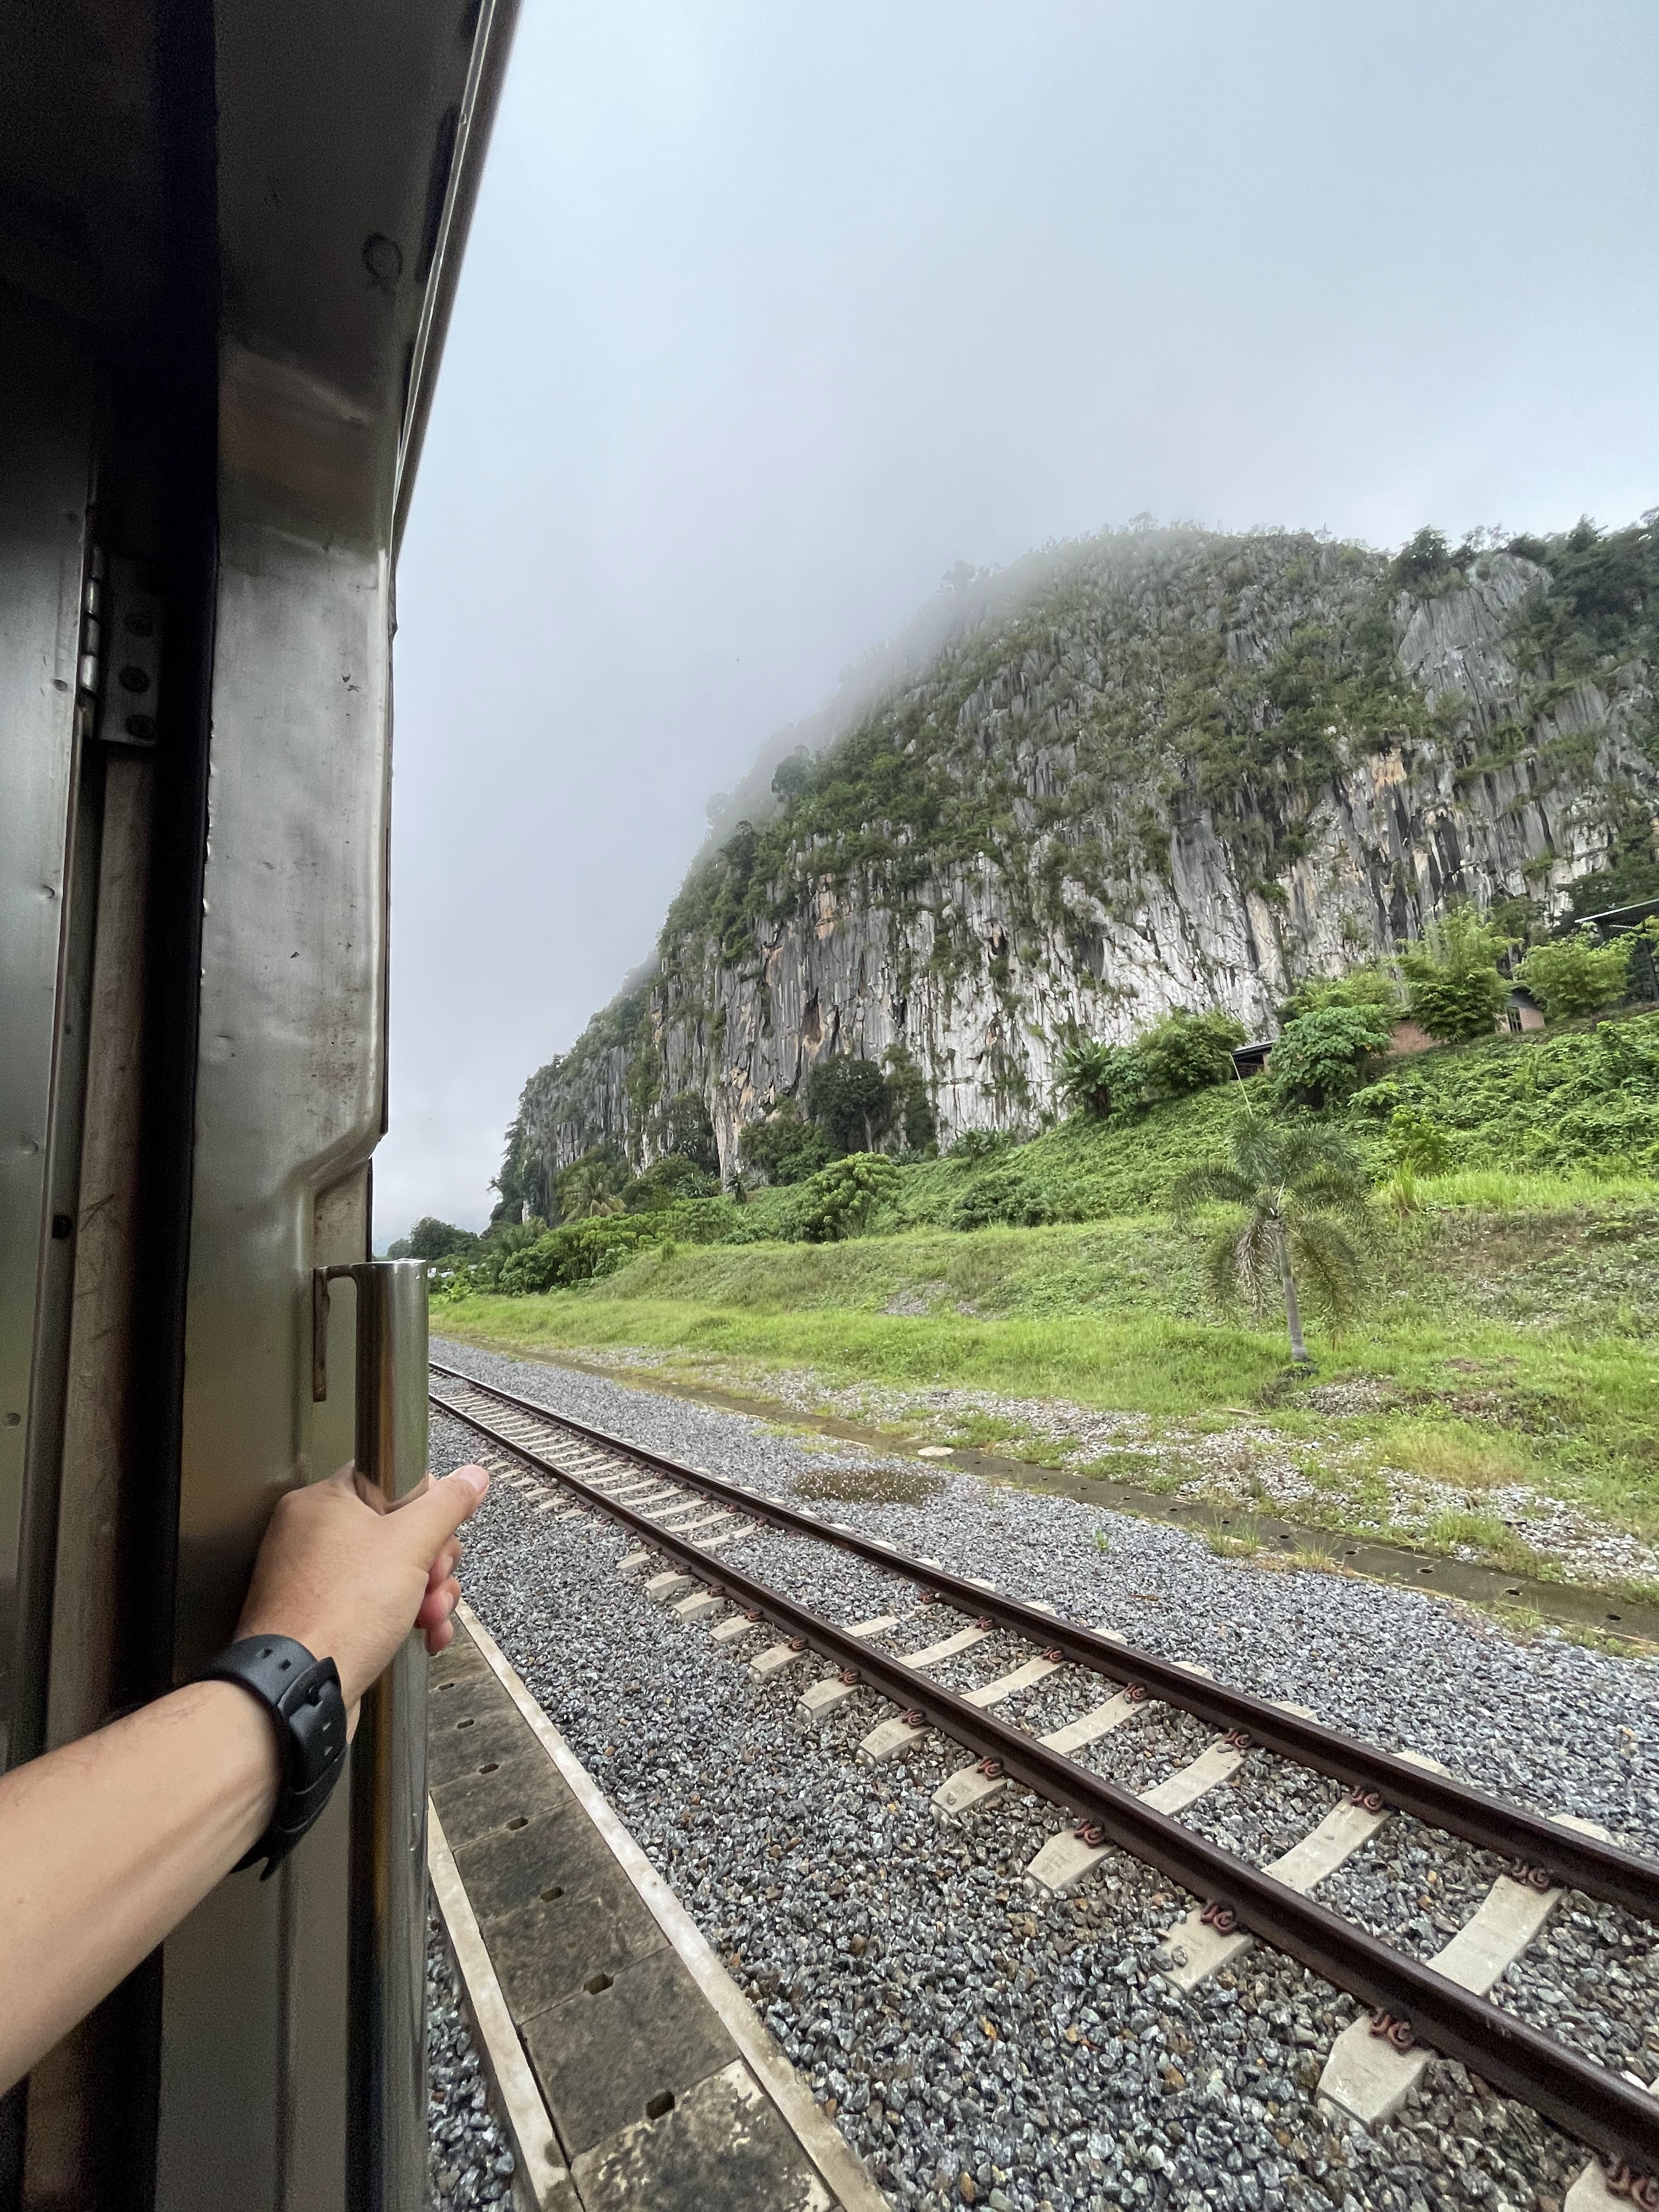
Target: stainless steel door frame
289, 1080
46, 471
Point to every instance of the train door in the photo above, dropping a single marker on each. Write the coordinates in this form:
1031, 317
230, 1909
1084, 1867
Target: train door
228, 240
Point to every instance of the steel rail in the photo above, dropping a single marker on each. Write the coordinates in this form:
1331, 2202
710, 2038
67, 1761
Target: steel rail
1611, 2116
1575, 1861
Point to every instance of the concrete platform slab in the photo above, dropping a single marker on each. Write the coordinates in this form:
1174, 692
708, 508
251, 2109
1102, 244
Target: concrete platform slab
649, 2084
721, 2145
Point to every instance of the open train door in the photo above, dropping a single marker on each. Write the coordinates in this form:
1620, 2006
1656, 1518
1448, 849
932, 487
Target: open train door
229, 234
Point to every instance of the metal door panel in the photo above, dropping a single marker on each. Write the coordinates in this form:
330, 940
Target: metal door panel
45, 407
287, 1110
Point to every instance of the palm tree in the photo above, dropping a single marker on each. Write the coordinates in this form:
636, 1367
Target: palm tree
1291, 1186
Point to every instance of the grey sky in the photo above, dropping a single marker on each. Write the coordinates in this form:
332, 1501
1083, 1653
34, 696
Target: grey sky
772, 314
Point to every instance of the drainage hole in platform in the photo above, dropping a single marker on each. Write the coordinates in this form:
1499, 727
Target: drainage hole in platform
658, 2105
548, 1895
518, 1821
461, 1724
491, 1768
599, 1983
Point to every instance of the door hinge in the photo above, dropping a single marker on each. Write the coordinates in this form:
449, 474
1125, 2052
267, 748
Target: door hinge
118, 678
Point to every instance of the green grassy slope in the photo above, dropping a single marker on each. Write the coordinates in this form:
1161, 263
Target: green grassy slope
1504, 1354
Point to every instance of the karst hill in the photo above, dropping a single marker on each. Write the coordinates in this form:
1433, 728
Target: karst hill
1159, 767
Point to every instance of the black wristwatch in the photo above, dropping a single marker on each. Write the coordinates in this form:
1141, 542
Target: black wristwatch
302, 1696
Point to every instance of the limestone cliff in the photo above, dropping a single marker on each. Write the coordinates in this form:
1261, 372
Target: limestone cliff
1158, 769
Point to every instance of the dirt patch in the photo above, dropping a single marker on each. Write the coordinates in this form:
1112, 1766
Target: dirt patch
1359, 1395
869, 1485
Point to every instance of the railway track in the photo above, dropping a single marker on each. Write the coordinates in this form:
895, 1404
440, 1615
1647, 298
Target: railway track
686, 1520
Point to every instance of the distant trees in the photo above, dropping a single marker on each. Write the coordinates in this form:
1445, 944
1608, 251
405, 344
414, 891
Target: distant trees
1321, 1056
1456, 992
851, 1100
785, 1146
1178, 1055
688, 1130
792, 775
433, 1240
1578, 975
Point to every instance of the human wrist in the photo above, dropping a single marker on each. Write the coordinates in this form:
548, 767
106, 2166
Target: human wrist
299, 1694
250, 1760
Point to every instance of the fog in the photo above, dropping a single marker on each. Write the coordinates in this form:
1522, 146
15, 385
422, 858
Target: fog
771, 315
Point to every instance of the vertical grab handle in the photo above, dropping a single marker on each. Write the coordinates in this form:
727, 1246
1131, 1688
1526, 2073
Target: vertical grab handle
386, 2146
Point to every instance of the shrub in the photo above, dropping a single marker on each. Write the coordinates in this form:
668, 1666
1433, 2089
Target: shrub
574, 1252
672, 1177
1456, 992
851, 1100
1005, 1198
1417, 1143
1185, 1052
785, 1146
1571, 1100
1360, 987
1577, 975
1104, 1081
976, 1145
1319, 1055
841, 1199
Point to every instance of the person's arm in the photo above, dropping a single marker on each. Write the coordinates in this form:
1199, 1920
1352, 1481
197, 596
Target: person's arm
107, 1844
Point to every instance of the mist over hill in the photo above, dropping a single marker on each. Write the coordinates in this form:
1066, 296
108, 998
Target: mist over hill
1153, 768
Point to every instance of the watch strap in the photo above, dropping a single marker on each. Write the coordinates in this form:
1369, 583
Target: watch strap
302, 1696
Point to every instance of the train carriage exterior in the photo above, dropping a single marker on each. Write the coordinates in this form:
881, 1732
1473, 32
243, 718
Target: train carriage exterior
229, 236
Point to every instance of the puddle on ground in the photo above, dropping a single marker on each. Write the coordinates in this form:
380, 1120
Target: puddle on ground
1382, 1562
869, 1485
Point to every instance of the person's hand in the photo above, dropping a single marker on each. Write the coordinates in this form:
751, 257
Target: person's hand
348, 1576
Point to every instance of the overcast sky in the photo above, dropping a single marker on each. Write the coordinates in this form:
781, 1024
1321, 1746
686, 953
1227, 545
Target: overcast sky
772, 314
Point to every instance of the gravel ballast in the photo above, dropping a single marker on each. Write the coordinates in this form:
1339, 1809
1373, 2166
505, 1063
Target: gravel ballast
468, 2160
977, 2047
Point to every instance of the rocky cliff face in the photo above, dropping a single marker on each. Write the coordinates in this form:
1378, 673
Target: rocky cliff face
1158, 769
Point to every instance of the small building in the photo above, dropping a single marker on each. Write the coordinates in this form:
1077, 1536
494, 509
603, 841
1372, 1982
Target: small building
1251, 1059
1407, 1037
1521, 1013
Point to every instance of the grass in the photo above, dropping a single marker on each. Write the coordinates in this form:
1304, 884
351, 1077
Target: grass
1507, 1346
1147, 1364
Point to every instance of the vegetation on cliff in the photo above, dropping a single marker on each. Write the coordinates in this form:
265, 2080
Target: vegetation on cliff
1089, 710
